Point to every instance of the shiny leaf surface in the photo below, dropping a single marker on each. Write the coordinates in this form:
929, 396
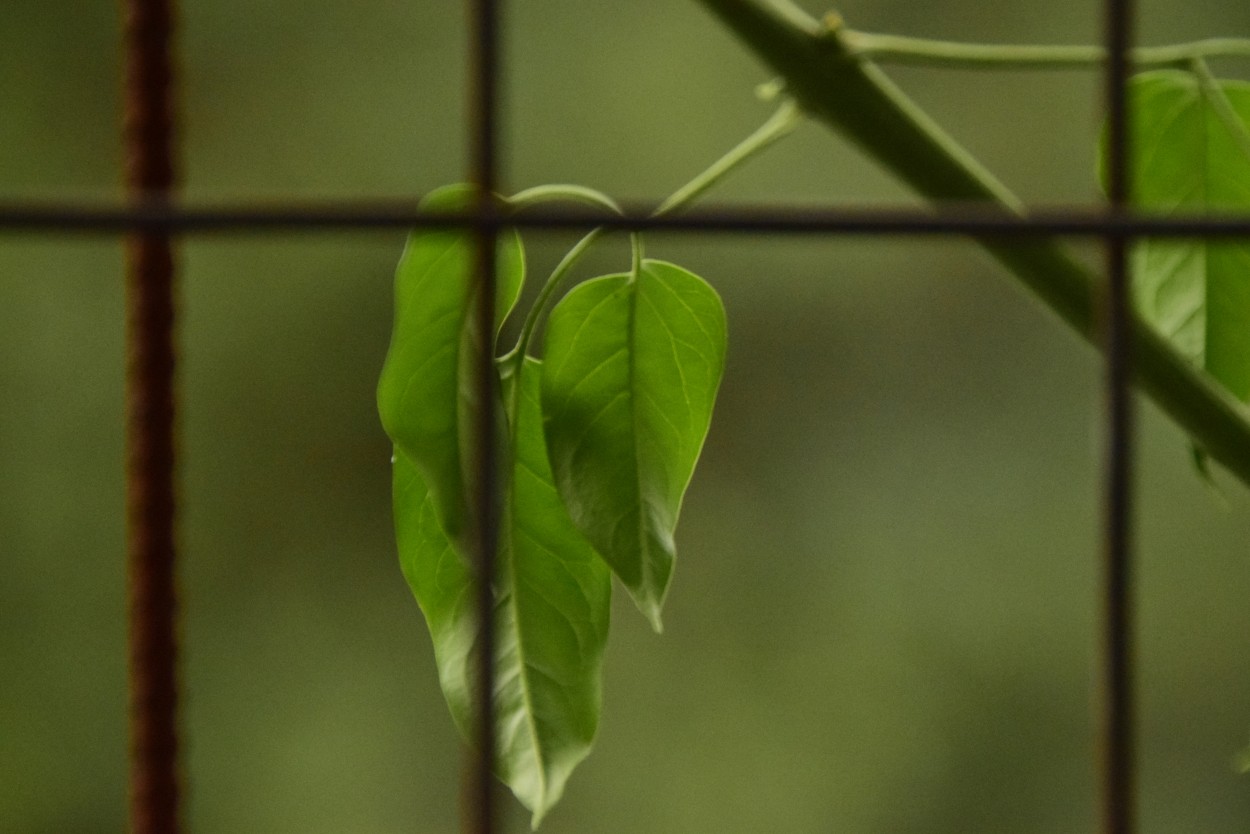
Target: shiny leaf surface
426, 395
633, 363
552, 606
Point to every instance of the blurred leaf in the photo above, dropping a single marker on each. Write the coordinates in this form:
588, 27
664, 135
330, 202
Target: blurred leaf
632, 368
1242, 761
552, 606
426, 396
1190, 156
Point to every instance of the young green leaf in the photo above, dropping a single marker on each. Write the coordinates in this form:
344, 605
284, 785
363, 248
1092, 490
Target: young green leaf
426, 396
1192, 155
631, 372
441, 581
552, 606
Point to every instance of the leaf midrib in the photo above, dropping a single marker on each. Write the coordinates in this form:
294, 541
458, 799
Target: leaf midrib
645, 573
1206, 205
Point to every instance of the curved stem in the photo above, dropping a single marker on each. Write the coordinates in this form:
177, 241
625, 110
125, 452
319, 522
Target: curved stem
561, 192
549, 194
779, 125
897, 49
549, 289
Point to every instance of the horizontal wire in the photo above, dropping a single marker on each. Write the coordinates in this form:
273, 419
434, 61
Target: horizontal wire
50, 218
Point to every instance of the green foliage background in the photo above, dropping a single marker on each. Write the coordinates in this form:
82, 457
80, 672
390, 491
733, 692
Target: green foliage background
883, 614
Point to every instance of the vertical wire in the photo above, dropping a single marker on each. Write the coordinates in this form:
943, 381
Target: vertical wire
148, 128
1118, 811
485, 81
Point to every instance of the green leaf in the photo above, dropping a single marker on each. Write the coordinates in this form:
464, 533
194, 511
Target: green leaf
632, 368
552, 605
426, 396
1191, 156
440, 580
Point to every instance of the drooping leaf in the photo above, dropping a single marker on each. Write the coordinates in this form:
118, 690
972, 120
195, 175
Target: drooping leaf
557, 599
552, 605
426, 395
1190, 155
441, 581
631, 372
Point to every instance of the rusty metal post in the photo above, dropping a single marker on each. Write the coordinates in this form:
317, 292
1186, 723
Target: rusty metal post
148, 127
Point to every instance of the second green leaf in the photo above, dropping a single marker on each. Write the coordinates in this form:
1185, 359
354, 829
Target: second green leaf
632, 366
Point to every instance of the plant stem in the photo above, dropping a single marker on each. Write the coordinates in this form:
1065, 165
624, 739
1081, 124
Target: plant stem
1221, 105
549, 288
547, 194
779, 125
896, 49
561, 192
853, 96
635, 250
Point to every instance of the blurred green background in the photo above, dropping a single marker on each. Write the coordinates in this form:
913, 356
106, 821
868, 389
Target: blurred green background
883, 615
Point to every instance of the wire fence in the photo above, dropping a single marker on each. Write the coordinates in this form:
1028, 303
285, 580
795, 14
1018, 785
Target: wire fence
152, 217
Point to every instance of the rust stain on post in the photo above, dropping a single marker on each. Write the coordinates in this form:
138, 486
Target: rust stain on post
148, 125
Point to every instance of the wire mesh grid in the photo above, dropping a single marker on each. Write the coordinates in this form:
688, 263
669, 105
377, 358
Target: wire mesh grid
152, 217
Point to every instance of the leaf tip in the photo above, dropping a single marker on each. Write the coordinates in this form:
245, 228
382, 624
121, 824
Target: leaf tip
649, 600
652, 612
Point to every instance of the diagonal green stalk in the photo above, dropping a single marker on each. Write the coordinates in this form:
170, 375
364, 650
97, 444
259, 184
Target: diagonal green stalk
855, 98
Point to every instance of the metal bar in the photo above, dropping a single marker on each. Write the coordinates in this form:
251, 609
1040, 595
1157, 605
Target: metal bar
150, 457
484, 111
1118, 811
40, 218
